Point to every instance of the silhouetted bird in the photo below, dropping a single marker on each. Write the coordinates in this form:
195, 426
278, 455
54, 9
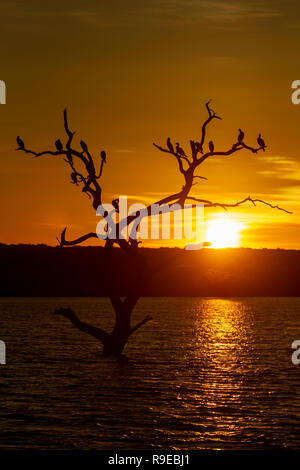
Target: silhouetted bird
198, 147
170, 146
83, 146
58, 145
20, 142
103, 156
179, 150
211, 146
261, 142
241, 136
74, 178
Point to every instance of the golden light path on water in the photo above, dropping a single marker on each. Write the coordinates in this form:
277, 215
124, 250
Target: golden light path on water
222, 339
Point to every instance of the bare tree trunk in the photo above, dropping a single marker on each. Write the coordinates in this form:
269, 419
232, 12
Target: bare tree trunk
114, 342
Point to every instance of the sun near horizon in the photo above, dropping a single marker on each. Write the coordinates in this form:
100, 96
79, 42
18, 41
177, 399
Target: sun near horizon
224, 233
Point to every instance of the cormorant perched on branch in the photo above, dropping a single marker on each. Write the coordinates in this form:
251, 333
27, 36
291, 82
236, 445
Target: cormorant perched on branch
261, 142
83, 146
241, 136
103, 156
58, 145
74, 178
211, 146
170, 146
179, 150
20, 142
198, 147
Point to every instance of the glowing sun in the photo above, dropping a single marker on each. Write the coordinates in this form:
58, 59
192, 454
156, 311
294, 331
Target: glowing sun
223, 233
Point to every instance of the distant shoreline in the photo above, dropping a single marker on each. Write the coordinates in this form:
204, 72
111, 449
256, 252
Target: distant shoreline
44, 271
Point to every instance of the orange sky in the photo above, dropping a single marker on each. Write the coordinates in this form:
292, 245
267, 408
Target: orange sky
132, 73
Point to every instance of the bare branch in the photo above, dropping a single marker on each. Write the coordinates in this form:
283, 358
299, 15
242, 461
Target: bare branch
235, 148
207, 203
77, 241
200, 177
141, 323
211, 115
45, 152
97, 333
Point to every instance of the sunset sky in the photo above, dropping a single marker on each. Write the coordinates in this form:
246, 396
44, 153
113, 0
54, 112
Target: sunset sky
135, 72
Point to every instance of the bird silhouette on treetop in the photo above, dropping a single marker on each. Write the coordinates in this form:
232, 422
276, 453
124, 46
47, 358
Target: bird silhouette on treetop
58, 145
179, 150
170, 146
20, 143
83, 146
241, 136
261, 142
74, 178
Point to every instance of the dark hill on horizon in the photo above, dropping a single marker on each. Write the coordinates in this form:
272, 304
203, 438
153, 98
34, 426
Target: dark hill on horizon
40, 270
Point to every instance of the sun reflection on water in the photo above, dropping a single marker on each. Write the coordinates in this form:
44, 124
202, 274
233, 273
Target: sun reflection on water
223, 327
222, 340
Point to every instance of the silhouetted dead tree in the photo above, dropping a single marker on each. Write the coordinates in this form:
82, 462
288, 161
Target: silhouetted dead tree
88, 178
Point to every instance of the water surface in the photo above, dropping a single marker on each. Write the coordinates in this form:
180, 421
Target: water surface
204, 374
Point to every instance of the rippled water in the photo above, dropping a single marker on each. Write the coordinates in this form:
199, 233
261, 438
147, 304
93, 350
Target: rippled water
204, 374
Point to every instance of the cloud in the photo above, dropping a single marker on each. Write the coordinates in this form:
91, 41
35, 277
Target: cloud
120, 14
203, 11
269, 234
235, 11
282, 171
